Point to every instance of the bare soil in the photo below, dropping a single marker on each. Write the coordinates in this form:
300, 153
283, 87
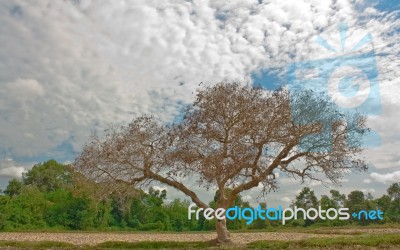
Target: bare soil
88, 238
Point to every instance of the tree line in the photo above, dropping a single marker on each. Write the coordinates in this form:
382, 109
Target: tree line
52, 196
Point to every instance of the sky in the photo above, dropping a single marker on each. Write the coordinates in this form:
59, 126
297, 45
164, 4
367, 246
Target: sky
69, 68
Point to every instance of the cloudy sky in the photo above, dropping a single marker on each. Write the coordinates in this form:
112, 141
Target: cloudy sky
72, 67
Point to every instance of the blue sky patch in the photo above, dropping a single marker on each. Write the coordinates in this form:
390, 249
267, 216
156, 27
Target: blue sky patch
268, 79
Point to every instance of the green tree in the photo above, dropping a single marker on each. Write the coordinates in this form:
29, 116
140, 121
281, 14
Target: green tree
384, 202
177, 211
394, 209
49, 176
68, 211
338, 199
149, 208
13, 188
156, 197
25, 211
355, 200
306, 199
394, 191
326, 202
260, 223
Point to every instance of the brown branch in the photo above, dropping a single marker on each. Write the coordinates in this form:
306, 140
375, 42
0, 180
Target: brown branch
179, 186
294, 157
257, 179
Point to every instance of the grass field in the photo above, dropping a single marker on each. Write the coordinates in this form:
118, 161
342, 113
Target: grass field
376, 237
390, 241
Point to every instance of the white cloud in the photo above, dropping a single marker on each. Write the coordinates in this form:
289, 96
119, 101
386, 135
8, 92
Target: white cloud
368, 190
247, 198
9, 168
288, 181
160, 188
386, 178
14, 172
67, 70
367, 181
93, 63
286, 199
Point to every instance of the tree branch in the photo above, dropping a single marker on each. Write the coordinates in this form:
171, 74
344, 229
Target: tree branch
180, 187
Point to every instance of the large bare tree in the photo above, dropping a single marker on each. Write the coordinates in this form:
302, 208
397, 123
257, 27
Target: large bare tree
232, 137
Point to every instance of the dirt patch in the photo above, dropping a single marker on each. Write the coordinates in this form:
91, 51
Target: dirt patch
87, 238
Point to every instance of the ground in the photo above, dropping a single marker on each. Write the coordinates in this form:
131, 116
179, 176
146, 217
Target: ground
240, 239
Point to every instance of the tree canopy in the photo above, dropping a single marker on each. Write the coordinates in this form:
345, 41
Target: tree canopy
232, 136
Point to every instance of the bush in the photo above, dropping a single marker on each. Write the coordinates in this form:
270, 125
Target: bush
297, 223
157, 226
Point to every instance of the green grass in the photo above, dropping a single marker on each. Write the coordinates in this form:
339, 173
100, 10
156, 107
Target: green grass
320, 229
152, 245
278, 228
106, 245
364, 241
385, 240
37, 244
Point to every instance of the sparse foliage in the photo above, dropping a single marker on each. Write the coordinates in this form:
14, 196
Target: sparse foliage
233, 136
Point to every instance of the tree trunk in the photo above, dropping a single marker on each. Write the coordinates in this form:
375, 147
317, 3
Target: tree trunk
223, 235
